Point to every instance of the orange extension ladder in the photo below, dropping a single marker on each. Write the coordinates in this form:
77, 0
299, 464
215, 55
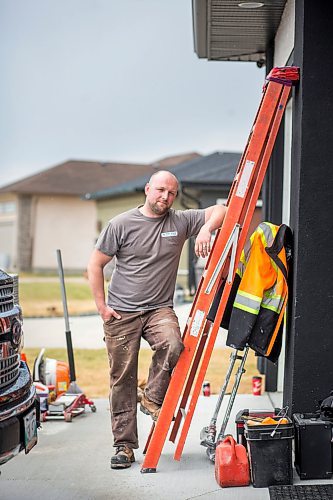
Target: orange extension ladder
200, 332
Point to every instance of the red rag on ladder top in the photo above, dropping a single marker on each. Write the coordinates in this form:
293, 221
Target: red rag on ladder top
285, 75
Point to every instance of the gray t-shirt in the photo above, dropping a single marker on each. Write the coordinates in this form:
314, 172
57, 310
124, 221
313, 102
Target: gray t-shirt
147, 252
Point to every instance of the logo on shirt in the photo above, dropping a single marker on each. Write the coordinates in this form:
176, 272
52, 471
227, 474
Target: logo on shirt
169, 233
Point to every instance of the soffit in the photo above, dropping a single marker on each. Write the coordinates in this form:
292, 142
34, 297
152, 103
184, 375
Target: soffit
225, 32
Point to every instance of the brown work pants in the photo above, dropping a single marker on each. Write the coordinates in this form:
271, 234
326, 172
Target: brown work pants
160, 328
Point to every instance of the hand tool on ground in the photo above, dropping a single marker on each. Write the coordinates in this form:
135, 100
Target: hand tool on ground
69, 400
210, 443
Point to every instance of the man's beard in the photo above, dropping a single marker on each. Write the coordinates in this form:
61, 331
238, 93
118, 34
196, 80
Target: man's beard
158, 209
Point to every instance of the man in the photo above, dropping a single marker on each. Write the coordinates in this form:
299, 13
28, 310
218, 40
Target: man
147, 243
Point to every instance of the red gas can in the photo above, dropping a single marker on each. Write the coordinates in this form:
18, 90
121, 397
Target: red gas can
231, 464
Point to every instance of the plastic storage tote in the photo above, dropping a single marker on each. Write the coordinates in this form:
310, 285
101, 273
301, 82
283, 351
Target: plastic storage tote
270, 453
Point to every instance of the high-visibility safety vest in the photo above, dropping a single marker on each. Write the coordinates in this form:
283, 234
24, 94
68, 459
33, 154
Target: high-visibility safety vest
260, 302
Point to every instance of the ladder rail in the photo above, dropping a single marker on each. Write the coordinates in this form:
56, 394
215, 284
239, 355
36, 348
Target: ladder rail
247, 201
211, 341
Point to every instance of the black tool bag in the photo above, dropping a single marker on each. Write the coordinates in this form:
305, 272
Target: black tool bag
326, 408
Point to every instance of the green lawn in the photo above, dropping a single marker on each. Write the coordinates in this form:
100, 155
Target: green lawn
49, 290
43, 298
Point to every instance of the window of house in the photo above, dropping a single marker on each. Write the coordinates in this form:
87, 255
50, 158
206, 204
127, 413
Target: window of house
7, 207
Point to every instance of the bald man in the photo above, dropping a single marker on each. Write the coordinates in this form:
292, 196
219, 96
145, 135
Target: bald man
146, 243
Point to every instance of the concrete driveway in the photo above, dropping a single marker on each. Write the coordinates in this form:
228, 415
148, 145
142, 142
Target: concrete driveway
71, 461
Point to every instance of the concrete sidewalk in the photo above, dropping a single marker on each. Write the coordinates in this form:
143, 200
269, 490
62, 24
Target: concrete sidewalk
71, 461
87, 331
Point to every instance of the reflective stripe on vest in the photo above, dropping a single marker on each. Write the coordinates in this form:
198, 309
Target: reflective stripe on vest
247, 302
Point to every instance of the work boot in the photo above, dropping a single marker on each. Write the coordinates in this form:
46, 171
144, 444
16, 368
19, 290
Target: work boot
149, 407
123, 458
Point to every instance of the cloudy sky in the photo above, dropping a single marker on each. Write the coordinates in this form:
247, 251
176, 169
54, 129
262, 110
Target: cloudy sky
113, 81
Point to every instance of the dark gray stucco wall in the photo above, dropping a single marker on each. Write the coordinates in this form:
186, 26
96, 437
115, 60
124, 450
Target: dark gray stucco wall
309, 350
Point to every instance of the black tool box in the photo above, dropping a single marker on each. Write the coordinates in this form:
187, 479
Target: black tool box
313, 446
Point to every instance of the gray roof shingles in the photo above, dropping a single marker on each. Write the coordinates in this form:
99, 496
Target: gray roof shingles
76, 177
214, 169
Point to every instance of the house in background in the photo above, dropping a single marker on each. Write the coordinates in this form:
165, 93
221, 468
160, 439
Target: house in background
204, 181
47, 211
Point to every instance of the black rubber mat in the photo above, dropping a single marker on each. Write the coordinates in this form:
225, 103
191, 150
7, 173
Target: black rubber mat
302, 492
